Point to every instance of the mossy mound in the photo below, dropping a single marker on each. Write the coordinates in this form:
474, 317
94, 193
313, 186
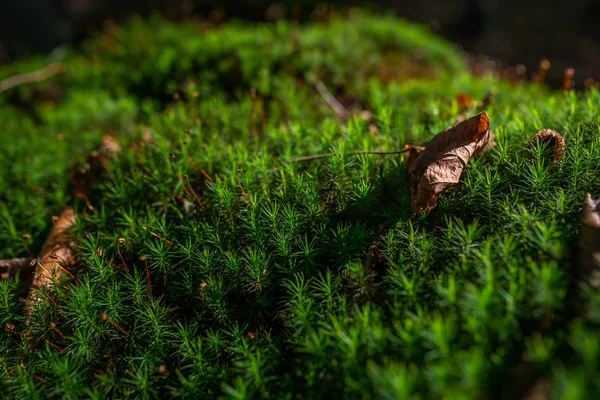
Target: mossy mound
267, 279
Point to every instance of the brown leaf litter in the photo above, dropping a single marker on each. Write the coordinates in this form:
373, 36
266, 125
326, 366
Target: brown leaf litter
56, 257
441, 163
589, 242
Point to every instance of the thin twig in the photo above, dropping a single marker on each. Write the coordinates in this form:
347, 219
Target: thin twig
120, 255
148, 277
339, 109
193, 192
31, 77
167, 241
242, 189
350, 153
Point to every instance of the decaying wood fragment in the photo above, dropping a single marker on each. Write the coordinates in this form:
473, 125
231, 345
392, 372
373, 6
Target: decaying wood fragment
589, 242
553, 140
443, 160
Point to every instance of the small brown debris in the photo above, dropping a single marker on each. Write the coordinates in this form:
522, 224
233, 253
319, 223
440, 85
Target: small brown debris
162, 369
464, 101
10, 267
543, 71
553, 140
540, 391
589, 242
568, 79
442, 162
84, 177
589, 82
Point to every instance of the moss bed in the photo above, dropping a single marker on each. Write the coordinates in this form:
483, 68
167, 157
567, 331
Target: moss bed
274, 279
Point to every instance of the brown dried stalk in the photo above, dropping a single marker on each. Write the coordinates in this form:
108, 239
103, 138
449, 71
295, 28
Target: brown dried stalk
442, 162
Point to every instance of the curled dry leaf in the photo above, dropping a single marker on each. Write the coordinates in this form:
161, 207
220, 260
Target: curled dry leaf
553, 140
413, 152
442, 162
589, 242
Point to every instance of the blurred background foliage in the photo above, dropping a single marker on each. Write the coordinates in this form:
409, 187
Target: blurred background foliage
511, 31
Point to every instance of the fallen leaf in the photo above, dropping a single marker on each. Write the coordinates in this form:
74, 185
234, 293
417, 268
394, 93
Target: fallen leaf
589, 242
442, 162
413, 152
56, 257
553, 140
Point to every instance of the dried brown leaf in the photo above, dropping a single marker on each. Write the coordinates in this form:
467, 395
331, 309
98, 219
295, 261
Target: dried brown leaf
442, 162
589, 242
413, 153
56, 257
553, 140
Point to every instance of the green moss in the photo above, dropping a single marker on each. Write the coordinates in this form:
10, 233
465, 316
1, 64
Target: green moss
300, 279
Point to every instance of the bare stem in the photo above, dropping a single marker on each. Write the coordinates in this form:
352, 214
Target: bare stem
31, 77
352, 153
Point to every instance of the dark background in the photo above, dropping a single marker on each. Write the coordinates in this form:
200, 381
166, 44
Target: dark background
567, 32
